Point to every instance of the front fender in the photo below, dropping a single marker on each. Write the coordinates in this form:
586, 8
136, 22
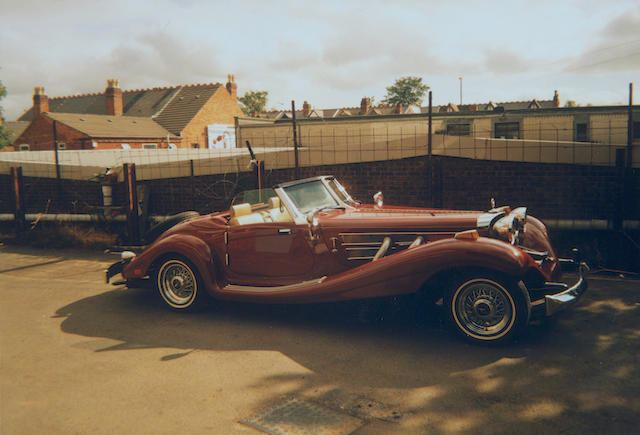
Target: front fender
401, 273
411, 268
188, 246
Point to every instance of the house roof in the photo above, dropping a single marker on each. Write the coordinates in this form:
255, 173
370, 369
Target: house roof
391, 110
106, 126
172, 107
184, 105
15, 128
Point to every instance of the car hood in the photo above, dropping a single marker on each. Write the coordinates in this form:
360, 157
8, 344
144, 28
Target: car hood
399, 218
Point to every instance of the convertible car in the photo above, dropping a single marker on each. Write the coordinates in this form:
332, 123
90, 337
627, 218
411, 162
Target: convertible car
309, 241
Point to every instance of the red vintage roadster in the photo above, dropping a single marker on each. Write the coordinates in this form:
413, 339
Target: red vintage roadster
309, 241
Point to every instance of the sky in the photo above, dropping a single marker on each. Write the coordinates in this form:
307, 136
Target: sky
329, 53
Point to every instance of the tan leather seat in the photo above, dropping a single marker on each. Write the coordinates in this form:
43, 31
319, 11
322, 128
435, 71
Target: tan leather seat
276, 213
241, 215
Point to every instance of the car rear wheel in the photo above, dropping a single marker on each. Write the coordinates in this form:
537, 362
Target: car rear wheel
178, 284
486, 310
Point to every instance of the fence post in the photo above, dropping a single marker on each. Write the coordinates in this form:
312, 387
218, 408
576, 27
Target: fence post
259, 173
55, 150
430, 150
193, 188
133, 224
295, 138
18, 195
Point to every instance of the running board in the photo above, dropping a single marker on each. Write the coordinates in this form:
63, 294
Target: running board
248, 288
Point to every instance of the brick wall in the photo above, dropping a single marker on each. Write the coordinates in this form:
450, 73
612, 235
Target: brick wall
551, 191
39, 136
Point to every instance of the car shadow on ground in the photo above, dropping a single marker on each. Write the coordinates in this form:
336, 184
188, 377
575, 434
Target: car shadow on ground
576, 373
351, 338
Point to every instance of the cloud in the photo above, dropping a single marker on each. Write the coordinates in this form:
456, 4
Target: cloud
152, 59
617, 48
503, 61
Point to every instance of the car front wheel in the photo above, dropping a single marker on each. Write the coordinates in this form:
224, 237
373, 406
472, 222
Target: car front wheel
178, 284
486, 310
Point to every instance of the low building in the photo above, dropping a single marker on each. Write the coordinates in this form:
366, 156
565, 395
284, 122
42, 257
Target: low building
535, 130
179, 116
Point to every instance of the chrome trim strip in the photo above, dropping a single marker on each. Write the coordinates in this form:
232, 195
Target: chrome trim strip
485, 219
398, 233
247, 288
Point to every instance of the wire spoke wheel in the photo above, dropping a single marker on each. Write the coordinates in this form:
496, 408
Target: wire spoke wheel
483, 309
177, 283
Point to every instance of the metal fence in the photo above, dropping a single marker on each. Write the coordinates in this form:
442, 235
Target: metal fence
321, 146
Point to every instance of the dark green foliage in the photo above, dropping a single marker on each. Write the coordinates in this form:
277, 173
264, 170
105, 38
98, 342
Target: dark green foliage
406, 91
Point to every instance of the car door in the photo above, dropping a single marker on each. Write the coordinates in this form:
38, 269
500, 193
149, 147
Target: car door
270, 253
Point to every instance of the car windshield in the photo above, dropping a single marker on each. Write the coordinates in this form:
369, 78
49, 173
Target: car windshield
311, 196
253, 197
340, 191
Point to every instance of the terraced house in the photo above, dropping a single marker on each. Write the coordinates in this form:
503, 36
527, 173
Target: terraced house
186, 116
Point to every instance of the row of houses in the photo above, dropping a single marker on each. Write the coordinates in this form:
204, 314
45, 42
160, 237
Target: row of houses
209, 116
188, 116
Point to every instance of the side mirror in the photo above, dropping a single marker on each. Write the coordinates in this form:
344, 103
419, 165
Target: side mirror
378, 200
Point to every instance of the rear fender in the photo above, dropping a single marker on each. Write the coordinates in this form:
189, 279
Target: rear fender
190, 247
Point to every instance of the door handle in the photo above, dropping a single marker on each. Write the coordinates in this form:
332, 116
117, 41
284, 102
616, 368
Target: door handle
284, 231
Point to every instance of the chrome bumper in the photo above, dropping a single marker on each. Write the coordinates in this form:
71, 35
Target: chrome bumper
116, 268
566, 296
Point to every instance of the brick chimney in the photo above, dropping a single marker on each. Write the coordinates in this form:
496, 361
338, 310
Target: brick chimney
232, 88
40, 101
398, 108
364, 105
306, 108
113, 94
556, 99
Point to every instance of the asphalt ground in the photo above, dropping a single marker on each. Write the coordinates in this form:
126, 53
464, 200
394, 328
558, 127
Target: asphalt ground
79, 356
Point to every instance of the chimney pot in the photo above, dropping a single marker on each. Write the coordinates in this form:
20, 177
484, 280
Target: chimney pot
556, 99
231, 86
306, 108
40, 101
113, 96
398, 108
364, 105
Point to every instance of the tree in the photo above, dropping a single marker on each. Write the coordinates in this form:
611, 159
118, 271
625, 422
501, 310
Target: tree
5, 139
406, 91
254, 102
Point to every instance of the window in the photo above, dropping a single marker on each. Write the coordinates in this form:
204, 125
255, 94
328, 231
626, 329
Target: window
507, 130
62, 146
24, 147
195, 145
582, 133
150, 146
125, 146
459, 129
636, 130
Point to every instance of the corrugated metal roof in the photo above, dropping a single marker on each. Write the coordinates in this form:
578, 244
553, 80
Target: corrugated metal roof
106, 126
